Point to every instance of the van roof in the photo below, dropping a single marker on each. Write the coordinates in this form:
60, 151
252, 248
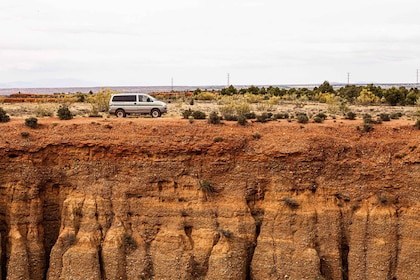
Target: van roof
130, 93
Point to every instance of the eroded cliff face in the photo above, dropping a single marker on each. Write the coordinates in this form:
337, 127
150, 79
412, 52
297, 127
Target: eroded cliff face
130, 199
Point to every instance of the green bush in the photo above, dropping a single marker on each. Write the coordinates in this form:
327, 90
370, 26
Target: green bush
214, 118
207, 189
367, 119
250, 115
367, 127
218, 139
3, 116
187, 113
226, 233
302, 118
256, 135
396, 116
230, 117
130, 244
385, 117
198, 115
351, 115
290, 202
242, 120
322, 116
24, 134
264, 117
417, 124
64, 113
318, 119
281, 116
31, 122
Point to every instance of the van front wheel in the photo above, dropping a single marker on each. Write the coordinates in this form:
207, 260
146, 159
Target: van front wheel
155, 113
120, 113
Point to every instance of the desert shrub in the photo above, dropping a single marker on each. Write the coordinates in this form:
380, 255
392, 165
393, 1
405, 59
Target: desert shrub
3, 116
382, 198
290, 202
43, 111
256, 135
417, 124
229, 117
207, 187
367, 119
187, 113
192, 101
385, 117
94, 113
322, 116
395, 116
218, 139
205, 96
214, 118
24, 134
198, 115
31, 122
351, 115
250, 115
130, 243
101, 99
318, 119
281, 116
264, 117
64, 113
302, 118
367, 127
225, 232
242, 120
235, 108
367, 123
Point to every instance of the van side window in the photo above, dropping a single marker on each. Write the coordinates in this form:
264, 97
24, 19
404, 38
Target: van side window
124, 98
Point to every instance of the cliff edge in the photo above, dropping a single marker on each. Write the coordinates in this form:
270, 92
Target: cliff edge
168, 199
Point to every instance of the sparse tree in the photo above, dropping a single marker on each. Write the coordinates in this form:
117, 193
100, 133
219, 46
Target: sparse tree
100, 100
325, 87
367, 97
231, 90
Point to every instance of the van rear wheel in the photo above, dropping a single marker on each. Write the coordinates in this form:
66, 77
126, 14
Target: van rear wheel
120, 113
155, 113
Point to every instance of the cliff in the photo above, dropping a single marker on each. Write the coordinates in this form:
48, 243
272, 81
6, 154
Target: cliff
166, 199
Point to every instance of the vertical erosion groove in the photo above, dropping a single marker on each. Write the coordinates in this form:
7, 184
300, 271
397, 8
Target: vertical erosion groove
51, 218
3, 231
344, 250
254, 196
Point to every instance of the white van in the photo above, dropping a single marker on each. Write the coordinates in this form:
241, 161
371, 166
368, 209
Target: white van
124, 104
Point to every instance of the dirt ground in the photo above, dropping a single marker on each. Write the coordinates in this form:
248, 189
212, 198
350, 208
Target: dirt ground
173, 119
176, 107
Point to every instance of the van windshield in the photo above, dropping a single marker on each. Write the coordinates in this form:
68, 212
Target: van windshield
146, 98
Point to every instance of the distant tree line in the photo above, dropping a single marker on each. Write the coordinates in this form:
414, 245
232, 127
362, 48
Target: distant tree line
352, 94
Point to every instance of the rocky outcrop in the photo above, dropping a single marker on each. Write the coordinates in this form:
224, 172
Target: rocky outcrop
142, 199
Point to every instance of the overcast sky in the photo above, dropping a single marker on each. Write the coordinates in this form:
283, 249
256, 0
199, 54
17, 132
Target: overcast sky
198, 42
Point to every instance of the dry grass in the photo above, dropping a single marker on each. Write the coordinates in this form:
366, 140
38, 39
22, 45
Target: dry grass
176, 107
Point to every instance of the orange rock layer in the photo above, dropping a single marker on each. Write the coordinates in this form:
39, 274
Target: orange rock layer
167, 199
